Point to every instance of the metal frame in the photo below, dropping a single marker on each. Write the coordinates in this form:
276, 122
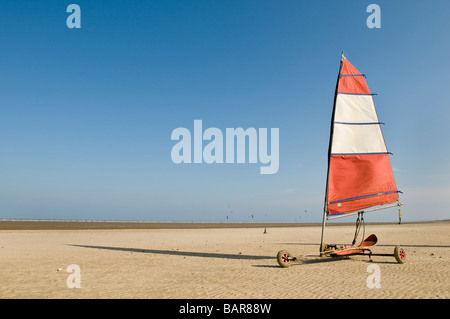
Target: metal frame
325, 218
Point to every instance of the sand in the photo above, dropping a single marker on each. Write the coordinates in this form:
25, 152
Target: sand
217, 263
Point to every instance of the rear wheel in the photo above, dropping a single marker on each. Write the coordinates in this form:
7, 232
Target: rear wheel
284, 258
400, 254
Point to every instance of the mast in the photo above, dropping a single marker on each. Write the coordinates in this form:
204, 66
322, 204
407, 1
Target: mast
325, 205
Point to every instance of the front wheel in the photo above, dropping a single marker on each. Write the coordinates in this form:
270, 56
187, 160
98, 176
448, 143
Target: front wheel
400, 254
284, 258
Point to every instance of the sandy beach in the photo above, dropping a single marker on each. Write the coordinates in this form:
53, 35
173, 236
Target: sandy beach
219, 262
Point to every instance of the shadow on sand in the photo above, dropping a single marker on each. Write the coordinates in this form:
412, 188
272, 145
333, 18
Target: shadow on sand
179, 253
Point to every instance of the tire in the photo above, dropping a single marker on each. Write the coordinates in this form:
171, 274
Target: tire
284, 258
400, 254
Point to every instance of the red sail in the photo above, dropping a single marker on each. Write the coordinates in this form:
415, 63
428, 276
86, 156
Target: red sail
360, 173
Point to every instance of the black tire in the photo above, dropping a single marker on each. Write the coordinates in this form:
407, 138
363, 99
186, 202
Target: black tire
284, 258
400, 254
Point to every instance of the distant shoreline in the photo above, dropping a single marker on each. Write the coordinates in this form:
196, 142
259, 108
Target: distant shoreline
32, 224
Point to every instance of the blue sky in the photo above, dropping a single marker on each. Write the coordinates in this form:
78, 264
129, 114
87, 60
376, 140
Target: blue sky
87, 114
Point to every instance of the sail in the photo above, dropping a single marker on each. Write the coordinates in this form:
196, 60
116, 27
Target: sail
359, 169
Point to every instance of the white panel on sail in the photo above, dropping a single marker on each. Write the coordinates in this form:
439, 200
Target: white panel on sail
359, 139
352, 108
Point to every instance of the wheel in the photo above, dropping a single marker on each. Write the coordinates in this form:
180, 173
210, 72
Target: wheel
284, 258
400, 254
